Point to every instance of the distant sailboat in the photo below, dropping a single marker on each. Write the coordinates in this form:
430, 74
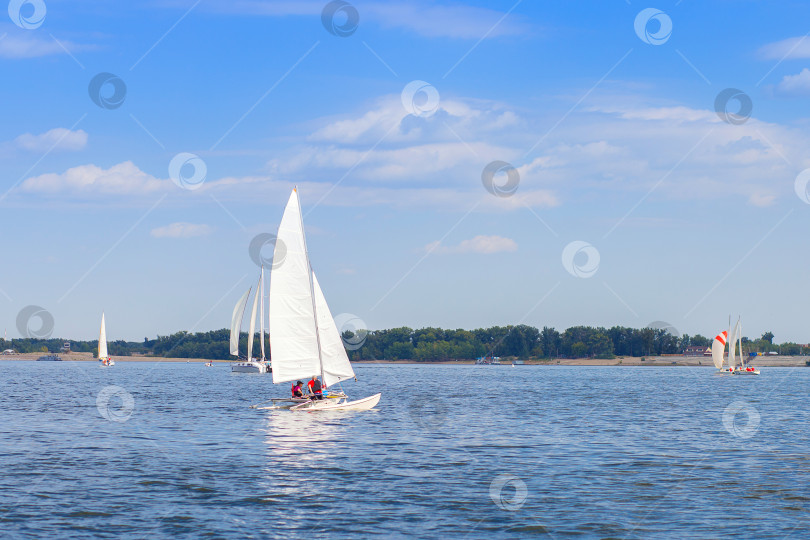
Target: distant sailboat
733, 367
306, 341
103, 357
250, 365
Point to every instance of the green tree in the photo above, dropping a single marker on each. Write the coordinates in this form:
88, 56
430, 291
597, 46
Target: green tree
579, 350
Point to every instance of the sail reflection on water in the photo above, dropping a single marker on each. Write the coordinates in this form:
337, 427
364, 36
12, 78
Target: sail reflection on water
301, 439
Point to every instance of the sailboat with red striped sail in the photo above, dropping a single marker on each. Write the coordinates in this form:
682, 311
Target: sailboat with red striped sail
735, 365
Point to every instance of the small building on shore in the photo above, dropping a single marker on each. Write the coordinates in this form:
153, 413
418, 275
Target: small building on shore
695, 350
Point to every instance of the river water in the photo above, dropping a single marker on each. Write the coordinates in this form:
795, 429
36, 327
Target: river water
166, 449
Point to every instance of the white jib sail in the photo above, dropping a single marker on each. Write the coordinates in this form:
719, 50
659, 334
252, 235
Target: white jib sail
261, 308
102, 339
236, 322
252, 328
336, 365
718, 346
292, 320
732, 346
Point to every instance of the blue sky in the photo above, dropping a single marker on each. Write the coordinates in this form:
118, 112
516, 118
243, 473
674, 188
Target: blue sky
679, 215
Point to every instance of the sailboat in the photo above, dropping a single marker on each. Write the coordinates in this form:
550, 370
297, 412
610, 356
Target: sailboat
250, 365
104, 359
306, 341
732, 367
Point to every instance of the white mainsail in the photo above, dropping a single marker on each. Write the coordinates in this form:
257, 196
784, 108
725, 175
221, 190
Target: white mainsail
261, 308
252, 328
292, 317
236, 322
732, 346
336, 365
718, 347
102, 339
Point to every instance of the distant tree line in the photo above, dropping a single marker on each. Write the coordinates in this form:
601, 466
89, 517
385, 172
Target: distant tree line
431, 344
522, 341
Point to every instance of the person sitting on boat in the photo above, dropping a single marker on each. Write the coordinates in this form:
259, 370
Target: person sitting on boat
296, 390
315, 388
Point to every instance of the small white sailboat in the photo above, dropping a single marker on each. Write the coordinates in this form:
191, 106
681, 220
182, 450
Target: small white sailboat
732, 367
306, 341
104, 359
250, 364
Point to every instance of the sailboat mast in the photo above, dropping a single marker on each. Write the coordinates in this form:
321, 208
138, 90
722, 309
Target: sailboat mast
311, 285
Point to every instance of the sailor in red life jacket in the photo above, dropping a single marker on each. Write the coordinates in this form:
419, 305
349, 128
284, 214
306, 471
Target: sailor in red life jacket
296, 390
315, 389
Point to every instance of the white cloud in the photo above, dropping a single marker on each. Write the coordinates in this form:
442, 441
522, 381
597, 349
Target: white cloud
25, 44
431, 19
795, 85
388, 120
426, 18
787, 49
181, 230
55, 139
122, 179
684, 153
674, 114
483, 245
439, 158
678, 152
762, 199
661, 152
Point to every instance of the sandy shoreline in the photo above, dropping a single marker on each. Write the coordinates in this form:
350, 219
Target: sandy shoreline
759, 361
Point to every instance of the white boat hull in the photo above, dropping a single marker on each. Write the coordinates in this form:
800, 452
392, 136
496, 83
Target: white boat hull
737, 372
249, 367
339, 405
